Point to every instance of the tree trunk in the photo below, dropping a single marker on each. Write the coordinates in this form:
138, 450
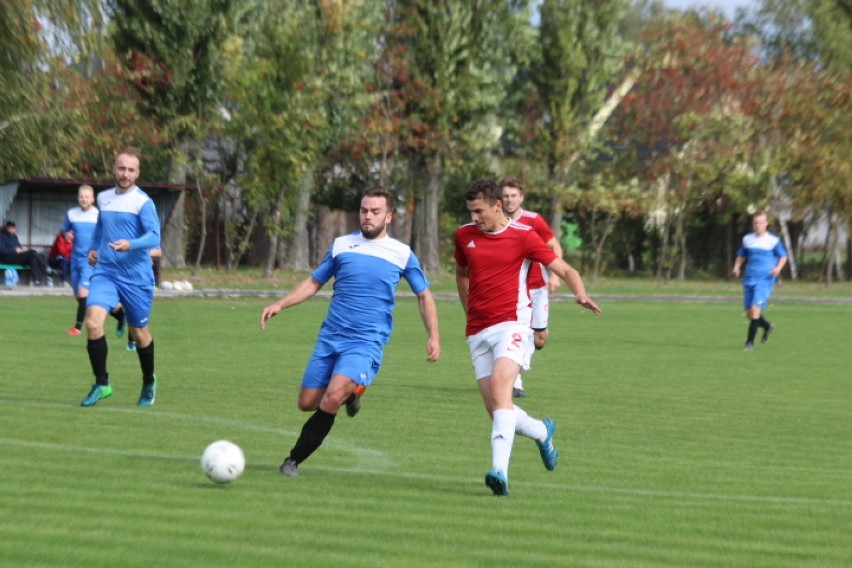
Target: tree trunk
172, 241
298, 246
599, 247
426, 227
275, 233
681, 243
202, 241
791, 254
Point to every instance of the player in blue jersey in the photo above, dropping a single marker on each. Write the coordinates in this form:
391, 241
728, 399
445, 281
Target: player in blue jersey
79, 226
366, 267
127, 229
766, 258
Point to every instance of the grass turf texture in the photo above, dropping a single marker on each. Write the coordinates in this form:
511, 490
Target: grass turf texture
677, 448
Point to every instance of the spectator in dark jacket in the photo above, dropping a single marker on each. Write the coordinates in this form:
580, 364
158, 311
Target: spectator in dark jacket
11, 252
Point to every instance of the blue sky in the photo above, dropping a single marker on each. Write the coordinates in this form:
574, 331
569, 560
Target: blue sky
729, 7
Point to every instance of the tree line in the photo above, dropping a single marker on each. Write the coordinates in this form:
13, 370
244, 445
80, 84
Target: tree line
646, 135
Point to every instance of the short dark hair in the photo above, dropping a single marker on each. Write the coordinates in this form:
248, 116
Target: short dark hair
485, 189
10, 223
380, 191
512, 181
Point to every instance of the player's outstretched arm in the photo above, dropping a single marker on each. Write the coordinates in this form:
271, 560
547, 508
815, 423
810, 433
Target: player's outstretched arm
575, 284
429, 314
306, 289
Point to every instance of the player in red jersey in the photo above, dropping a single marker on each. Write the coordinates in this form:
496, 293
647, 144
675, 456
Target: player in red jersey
539, 282
493, 257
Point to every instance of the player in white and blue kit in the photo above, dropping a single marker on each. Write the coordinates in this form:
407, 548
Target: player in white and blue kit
128, 228
79, 226
766, 258
366, 267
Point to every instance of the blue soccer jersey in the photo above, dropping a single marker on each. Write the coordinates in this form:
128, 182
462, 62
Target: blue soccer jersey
366, 273
761, 254
132, 216
83, 224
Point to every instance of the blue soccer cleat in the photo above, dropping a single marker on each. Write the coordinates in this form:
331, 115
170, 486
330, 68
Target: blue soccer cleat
97, 393
149, 394
498, 483
549, 455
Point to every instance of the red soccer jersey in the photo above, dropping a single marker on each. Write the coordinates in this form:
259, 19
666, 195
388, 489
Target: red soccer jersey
498, 266
538, 274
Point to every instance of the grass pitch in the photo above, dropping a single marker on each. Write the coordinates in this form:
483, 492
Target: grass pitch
676, 447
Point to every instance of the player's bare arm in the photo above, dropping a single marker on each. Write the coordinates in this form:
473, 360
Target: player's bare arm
776, 270
575, 284
429, 314
306, 289
553, 280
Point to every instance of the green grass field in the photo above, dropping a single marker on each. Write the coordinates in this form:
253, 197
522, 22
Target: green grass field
677, 448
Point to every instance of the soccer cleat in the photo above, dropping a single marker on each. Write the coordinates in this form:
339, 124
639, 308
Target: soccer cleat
131, 346
766, 333
353, 403
497, 481
288, 468
97, 393
549, 455
749, 346
148, 394
74, 331
119, 328
518, 393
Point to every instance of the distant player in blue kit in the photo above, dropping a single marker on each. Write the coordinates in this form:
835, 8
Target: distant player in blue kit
366, 267
127, 229
766, 258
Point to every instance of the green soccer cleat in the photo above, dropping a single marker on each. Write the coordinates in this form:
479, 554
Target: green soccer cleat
549, 455
119, 328
149, 394
97, 393
496, 480
131, 346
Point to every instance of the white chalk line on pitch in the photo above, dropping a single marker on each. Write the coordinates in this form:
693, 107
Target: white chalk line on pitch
363, 456
380, 463
612, 491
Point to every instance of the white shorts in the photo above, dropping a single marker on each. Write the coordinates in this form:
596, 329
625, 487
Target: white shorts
508, 339
540, 308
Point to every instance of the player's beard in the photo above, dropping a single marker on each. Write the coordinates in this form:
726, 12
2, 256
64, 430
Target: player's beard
373, 233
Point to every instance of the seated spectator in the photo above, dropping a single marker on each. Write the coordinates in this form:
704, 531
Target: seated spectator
59, 256
11, 252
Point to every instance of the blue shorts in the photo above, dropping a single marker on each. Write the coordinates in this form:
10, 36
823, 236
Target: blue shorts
757, 294
81, 275
358, 360
136, 300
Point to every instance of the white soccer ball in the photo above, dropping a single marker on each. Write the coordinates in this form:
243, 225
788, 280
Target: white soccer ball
223, 461
178, 285
167, 285
187, 285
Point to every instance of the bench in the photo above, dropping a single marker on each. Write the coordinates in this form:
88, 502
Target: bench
16, 267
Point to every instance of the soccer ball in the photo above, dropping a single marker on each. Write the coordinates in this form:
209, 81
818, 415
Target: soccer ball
223, 461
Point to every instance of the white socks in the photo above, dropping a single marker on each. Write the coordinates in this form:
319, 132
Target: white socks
502, 437
529, 427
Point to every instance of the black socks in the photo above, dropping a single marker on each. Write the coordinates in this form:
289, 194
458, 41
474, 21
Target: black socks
146, 361
97, 349
313, 433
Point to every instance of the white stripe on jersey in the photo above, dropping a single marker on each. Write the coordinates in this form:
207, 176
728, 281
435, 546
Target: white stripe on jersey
389, 249
128, 202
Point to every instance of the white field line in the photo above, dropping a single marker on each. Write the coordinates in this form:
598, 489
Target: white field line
367, 456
